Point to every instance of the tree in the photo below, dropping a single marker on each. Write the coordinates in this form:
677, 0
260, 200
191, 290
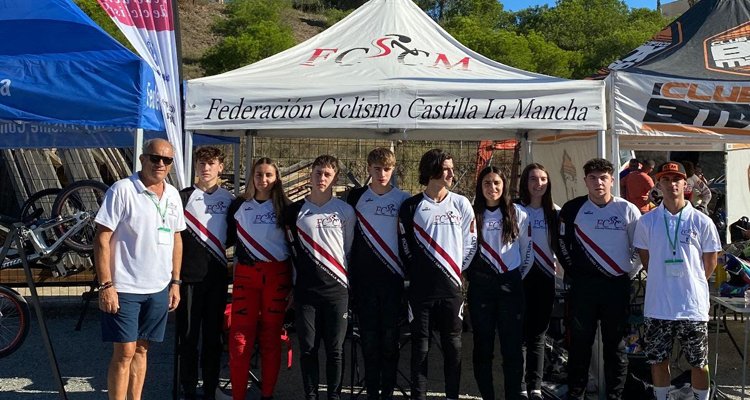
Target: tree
253, 30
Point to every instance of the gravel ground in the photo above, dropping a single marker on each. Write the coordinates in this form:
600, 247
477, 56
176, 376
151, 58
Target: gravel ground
83, 358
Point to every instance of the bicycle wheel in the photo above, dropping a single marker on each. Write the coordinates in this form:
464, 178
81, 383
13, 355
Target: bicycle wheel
87, 196
14, 320
43, 199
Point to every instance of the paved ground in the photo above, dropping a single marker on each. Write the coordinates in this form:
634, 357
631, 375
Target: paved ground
83, 359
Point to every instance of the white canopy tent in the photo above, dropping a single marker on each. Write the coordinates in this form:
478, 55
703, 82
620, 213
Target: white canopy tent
388, 71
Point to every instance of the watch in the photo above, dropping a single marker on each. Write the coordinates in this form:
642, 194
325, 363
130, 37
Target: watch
175, 282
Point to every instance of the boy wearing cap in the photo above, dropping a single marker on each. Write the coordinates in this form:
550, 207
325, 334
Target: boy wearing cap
678, 247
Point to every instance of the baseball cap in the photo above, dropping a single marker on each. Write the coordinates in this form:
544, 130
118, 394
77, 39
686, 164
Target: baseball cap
670, 167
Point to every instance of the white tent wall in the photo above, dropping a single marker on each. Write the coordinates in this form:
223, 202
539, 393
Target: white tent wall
563, 159
738, 184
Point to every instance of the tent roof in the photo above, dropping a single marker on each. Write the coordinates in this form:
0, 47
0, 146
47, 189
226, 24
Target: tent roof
688, 82
58, 66
388, 67
710, 41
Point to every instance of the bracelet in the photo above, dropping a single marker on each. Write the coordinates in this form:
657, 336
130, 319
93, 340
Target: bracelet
105, 285
177, 282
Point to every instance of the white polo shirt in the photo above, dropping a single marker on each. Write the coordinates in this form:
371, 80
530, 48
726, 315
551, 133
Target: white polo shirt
676, 290
138, 262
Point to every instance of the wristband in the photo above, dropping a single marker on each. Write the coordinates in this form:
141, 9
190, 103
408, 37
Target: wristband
175, 282
105, 285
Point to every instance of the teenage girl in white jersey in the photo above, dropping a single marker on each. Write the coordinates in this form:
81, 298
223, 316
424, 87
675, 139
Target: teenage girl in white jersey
495, 294
262, 278
539, 276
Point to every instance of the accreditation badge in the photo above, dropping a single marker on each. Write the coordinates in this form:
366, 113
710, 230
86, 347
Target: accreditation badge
164, 236
675, 267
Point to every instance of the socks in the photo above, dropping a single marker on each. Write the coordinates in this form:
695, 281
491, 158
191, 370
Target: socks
661, 393
700, 394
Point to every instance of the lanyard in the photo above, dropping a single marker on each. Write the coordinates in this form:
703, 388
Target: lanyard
162, 214
673, 243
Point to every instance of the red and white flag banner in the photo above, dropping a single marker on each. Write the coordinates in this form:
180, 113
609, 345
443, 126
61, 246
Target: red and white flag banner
149, 26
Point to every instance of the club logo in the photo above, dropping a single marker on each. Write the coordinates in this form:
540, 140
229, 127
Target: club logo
729, 51
391, 45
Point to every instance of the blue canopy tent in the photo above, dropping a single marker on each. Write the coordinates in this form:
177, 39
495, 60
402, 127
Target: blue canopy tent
58, 66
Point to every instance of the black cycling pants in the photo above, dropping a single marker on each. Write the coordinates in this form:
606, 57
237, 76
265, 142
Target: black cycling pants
200, 320
592, 300
539, 292
445, 316
327, 321
379, 312
496, 306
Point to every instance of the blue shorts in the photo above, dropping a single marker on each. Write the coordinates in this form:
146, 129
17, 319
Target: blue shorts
140, 317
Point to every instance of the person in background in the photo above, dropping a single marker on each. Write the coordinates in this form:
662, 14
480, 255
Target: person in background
437, 240
697, 191
262, 278
138, 257
539, 277
320, 229
633, 166
637, 187
678, 247
596, 236
495, 294
377, 274
200, 316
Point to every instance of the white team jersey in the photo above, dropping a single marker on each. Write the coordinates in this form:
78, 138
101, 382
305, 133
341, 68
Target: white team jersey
259, 232
441, 229
543, 254
508, 256
678, 291
326, 233
205, 216
606, 234
377, 216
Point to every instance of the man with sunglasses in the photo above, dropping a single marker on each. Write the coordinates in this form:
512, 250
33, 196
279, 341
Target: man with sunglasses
138, 254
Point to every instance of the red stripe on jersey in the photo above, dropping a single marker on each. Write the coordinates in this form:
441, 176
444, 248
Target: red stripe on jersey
253, 243
544, 257
438, 249
494, 255
599, 251
204, 230
377, 237
322, 251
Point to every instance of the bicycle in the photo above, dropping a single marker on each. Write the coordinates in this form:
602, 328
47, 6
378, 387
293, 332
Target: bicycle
44, 242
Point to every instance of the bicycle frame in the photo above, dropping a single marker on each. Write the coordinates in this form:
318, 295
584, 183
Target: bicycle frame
35, 236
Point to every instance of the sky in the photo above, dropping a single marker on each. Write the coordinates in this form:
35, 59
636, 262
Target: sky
515, 5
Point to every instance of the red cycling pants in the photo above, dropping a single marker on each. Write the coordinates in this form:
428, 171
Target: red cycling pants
259, 299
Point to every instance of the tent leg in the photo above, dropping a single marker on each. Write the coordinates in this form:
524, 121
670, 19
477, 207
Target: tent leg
249, 155
237, 161
615, 158
601, 144
188, 157
138, 149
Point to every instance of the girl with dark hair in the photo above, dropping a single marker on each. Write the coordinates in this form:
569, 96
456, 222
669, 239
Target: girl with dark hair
262, 278
495, 295
539, 277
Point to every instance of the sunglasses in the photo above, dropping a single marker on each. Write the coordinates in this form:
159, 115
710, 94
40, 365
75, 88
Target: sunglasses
154, 158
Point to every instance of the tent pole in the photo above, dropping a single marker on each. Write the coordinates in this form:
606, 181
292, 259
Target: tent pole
615, 156
249, 153
187, 141
601, 144
237, 162
138, 150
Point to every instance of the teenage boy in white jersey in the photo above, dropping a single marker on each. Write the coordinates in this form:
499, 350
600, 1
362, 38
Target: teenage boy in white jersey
320, 229
437, 240
377, 274
596, 236
678, 247
200, 316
